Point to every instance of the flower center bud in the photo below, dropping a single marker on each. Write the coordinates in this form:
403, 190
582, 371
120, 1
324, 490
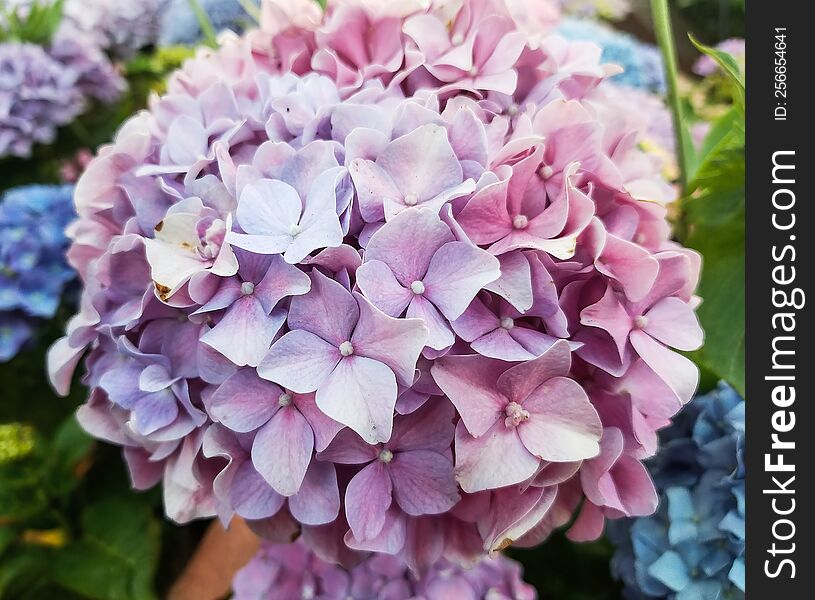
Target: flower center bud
417, 287
386, 456
284, 399
507, 323
457, 39
546, 171
515, 414
641, 321
247, 288
411, 199
513, 110
294, 229
472, 72
520, 221
346, 348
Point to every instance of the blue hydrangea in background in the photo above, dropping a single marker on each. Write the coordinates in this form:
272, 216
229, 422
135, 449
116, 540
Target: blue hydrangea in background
642, 62
179, 24
693, 547
33, 270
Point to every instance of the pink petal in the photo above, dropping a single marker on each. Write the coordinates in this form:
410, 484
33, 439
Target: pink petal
282, 450
318, 500
245, 332
674, 323
515, 283
423, 482
408, 242
630, 264
360, 393
251, 496
328, 310
457, 272
439, 336
373, 186
678, 372
299, 361
348, 448
377, 283
279, 281
422, 162
428, 428
496, 459
470, 383
244, 402
269, 208
367, 499
395, 342
518, 382
563, 425
325, 428
589, 524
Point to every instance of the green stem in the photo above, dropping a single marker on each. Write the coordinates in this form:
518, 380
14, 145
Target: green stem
664, 35
204, 23
251, 8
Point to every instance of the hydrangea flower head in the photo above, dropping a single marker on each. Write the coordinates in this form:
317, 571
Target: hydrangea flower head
641, 62
121, 27
33, 271
43, 88
293, 571
694, 546
409, 293
178, 23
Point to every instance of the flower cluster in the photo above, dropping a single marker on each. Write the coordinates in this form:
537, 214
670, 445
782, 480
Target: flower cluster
122, 27
179, 23
33, 272
44, 88
641, 62
694, 546
293, 571
395, 277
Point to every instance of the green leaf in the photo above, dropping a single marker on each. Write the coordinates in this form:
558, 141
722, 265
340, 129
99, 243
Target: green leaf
38, 25
117, 554
728, 64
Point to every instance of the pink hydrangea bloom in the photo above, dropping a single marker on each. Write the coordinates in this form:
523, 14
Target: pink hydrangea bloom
292, 571
387, 284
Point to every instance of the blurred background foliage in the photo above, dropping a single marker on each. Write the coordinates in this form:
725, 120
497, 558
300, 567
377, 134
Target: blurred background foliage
71, 527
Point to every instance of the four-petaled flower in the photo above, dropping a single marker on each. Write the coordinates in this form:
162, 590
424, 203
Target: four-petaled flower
350, 353
512, 417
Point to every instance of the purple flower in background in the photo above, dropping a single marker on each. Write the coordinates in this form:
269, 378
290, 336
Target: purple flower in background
45, 88
33, 270
289, 571
37, 96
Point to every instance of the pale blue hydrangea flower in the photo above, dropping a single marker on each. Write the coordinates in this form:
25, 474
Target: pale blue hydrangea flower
179, 24
33, 270
642, 62
693, 547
